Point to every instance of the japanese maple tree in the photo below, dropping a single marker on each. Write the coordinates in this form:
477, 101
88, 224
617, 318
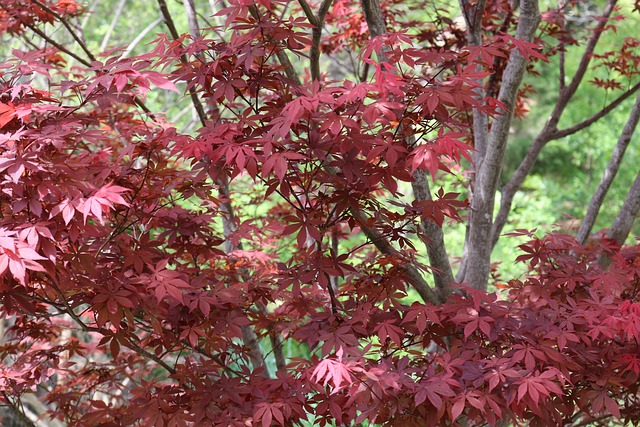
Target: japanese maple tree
280, 259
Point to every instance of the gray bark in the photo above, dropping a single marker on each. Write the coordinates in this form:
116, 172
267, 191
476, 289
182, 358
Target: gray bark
114, 21
192, 18
609, 173
621, 227
550, 130
473, 19
374, 18
436, 249
472, 14
488, 171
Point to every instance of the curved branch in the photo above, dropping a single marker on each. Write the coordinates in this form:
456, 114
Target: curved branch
139, 37
415, 278
436, 249
316, 34
114, 22
621, 226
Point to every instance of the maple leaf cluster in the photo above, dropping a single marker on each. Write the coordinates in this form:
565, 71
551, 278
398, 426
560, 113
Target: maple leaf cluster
144, 269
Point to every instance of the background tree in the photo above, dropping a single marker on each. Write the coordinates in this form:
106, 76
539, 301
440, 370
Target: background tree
244, 221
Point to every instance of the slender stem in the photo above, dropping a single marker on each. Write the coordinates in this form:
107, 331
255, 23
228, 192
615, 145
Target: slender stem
114, 22
174, 33
139, 37
597, 116
55, 44
309, 13
16, 410
68, 27
284, 60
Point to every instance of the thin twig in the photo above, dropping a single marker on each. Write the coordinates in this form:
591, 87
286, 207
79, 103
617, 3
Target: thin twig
16, 410
68, 27
114, 22
597, 116
185, 60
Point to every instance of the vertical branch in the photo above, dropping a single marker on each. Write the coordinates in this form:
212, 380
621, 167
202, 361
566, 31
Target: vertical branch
488, 172
229, 227
473, 19
373, 16
436, 248
316, 33
174, 33
139, 37
609, 173
561, 61
335, 241
621, 226
192, 18
282, 56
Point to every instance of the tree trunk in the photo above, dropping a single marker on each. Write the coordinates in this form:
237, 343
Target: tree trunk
478, 246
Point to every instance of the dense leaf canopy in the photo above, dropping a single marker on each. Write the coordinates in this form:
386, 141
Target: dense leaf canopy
244, 222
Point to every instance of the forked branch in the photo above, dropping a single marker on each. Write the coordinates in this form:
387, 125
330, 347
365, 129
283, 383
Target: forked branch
550, 130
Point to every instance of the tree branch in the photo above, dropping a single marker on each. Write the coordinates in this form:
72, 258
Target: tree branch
478, 260
316, 34
473, 19
192, 18
436, 249
566, 94
597, 116
114, 22
17, 411
139, 37
174, 33
415, 278
54, 43
68, 27
309, 13
229, 227
373, 16
549, 131
282, 56
621, 226
609, 173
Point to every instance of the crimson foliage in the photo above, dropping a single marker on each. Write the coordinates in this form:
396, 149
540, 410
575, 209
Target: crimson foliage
148, 272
